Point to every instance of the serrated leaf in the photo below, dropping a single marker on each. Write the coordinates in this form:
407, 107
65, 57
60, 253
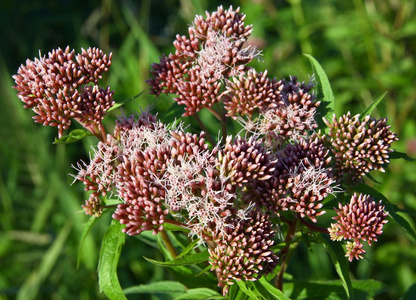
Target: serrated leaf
107, 266
273, 291
326, 108
337, 255
73, 136
236, 293
390, 207
398, 155
172, 288
199, 293
186, 260
371, 107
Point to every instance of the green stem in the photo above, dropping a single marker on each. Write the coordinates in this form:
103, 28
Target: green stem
284, 253
168, 243
209, 137
215, 113
314, 227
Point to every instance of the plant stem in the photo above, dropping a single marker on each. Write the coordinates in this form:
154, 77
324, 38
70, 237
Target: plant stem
209, 137
168, 243
215, 113
314, 227
283, 254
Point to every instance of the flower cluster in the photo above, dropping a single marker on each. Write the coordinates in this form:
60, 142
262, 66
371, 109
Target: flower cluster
201, 63
56, 88
359, 146
301, 180
243, 251
225, 193
360, 220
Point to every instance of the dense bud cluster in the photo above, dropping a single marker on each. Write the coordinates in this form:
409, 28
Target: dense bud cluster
360, 220
54, 88
243, 250
212, 53
301, 180
359, 146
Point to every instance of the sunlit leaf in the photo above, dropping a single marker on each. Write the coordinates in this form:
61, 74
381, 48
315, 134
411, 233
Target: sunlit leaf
243, 286
272, 290
199, 294
109, 255
337, 255
371, 107
172, 288
325, 94
186, 260
74, 136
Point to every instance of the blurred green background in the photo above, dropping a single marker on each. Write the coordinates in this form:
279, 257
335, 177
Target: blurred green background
367, 47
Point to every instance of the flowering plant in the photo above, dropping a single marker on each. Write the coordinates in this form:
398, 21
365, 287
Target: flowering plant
227, 207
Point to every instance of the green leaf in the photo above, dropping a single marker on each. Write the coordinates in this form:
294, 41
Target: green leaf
172, 227
199, 293
243, 286
172, 288
87, 227
107, 266
174, 112
190, 247
121, 103
325, 95
371, 107
369, 176
410, 294
337, 255
275, 292
390, 207
318, 290
186, 260
236, 293
397, 155
73, 136
204, 271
